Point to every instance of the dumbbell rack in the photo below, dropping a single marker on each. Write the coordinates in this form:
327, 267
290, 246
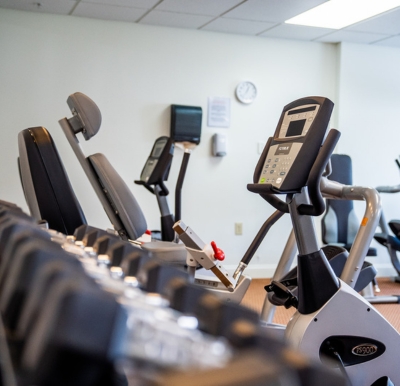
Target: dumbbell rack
160, 320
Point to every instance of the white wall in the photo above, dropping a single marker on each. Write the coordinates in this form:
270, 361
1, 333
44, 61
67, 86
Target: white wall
135, 72
369, 105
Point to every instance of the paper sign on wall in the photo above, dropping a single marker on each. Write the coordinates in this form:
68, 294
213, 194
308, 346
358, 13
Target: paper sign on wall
219, 112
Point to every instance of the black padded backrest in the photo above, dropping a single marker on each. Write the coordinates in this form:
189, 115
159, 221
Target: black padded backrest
122, 201
46, 186
340, 224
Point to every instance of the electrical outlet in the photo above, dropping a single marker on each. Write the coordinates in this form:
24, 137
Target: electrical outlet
238, 228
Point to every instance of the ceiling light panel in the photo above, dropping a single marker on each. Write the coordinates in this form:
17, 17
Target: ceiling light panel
337, 14
273, 11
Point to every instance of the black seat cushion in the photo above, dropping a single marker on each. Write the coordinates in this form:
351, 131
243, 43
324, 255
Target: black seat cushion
121, 199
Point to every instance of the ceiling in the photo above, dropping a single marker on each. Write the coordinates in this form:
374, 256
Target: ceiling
264, 18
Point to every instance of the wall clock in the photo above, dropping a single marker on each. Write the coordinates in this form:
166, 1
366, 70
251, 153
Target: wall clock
246, 92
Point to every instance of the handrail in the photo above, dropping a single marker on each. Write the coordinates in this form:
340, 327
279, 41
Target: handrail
365, 234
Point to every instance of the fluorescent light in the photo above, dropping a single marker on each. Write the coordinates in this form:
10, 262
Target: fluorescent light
338, 14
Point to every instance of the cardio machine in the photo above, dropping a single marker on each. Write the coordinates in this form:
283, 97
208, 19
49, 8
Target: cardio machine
340, 224
332, 320
385, 238
185, 132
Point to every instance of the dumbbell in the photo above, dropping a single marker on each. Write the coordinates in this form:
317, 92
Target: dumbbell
80, 232
7, 221
77, 337
183, 296
116, 252
29, 257
45, 278
14, 235
104, 242
214, 315
155, 275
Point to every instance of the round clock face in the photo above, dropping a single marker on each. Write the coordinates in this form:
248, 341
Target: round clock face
246, 92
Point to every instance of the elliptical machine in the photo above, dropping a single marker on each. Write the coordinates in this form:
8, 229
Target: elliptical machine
332, 320
185, 133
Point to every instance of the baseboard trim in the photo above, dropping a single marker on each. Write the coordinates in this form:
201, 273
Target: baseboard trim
255, 271
385, 270
264, 271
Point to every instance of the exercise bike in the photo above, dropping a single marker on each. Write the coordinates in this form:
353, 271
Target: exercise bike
332, 320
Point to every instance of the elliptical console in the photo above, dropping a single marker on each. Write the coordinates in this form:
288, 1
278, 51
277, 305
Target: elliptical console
157, 166
155, 172
289, 155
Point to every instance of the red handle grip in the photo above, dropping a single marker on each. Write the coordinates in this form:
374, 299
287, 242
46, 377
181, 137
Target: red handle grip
218, 253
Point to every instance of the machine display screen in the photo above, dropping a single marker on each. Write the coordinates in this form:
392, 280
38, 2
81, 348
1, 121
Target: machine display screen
295, 128
158, 148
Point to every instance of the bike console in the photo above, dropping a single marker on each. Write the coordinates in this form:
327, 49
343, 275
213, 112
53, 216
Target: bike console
157, 166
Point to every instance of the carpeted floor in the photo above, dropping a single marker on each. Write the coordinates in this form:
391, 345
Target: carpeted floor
255, 295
